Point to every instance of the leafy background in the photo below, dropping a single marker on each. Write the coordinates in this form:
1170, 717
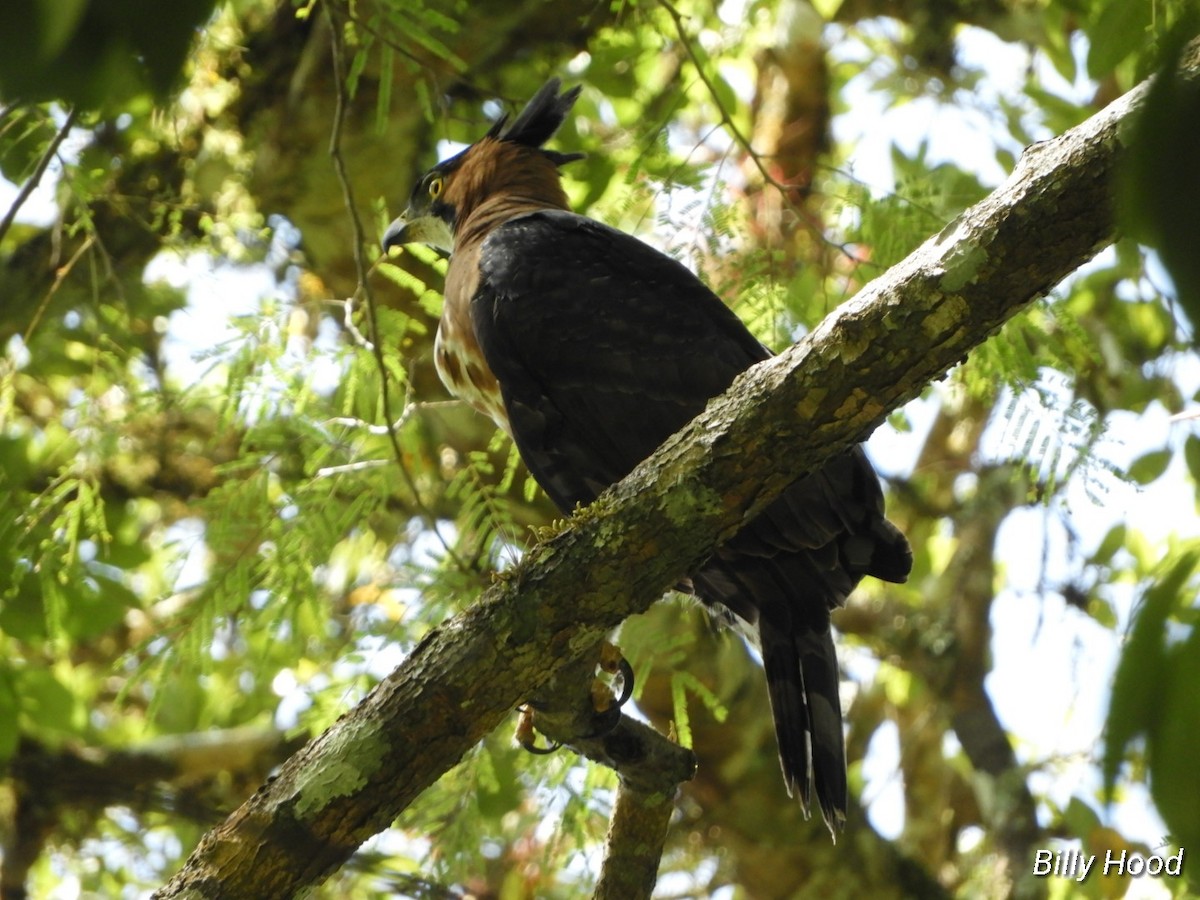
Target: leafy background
235, 494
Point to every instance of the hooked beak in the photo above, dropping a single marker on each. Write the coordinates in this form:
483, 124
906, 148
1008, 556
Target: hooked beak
413, 228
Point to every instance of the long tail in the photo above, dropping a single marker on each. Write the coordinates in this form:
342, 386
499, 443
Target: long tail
784, 572
802, 678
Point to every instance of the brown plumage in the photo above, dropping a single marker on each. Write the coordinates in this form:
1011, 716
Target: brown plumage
467, 196
590, 348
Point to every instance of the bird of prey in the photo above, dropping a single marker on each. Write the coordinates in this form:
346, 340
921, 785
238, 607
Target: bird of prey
590, 348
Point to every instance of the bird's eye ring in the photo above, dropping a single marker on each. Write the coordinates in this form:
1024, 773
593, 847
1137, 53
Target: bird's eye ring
435, 187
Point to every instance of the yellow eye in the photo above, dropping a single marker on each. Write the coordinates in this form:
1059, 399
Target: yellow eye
436, 183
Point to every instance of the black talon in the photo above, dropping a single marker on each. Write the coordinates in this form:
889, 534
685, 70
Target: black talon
607, 707
528, 739
614, 663
626, 672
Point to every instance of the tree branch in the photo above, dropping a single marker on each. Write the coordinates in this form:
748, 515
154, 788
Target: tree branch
172, 772
905, 329
636, 836
39, 170
576, 710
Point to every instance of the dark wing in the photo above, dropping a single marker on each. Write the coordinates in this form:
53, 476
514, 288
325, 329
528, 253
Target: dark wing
603, 348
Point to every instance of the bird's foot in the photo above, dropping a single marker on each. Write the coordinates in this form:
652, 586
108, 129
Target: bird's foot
610, 689
614, 663
607, 707
527, 736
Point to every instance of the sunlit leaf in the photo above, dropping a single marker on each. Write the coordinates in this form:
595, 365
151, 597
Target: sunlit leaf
1119, 30
1136, 709
1150, 466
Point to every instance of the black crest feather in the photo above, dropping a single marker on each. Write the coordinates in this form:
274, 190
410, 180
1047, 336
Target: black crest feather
542, 116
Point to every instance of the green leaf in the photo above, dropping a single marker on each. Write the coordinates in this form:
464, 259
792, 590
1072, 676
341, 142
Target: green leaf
96, 54
178, 705
96, 605
357, 64
1136, 707
1057, 44
1160, 187
9, 709
497, 790
383, 104
1191, 455
22, 615
1120, 29
1113, 541
711, 701
827, 9
47, 705
1080, 818
23, 143
1150, 466
1174, 775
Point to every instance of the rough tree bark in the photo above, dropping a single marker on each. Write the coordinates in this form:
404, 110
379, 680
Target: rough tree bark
904, 330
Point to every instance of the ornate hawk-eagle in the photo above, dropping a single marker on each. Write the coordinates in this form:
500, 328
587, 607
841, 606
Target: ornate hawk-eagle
590, 348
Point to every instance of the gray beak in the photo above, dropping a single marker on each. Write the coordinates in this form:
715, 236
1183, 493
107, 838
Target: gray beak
411, 229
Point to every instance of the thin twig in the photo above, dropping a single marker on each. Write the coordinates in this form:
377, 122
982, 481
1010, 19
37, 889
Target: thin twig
740, 139
726, 117
328, 471
59, 277
31, 184
348, 323
363, 289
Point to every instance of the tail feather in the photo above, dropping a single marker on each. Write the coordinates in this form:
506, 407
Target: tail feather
783, 574
802, 680
790, 708
819, 669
